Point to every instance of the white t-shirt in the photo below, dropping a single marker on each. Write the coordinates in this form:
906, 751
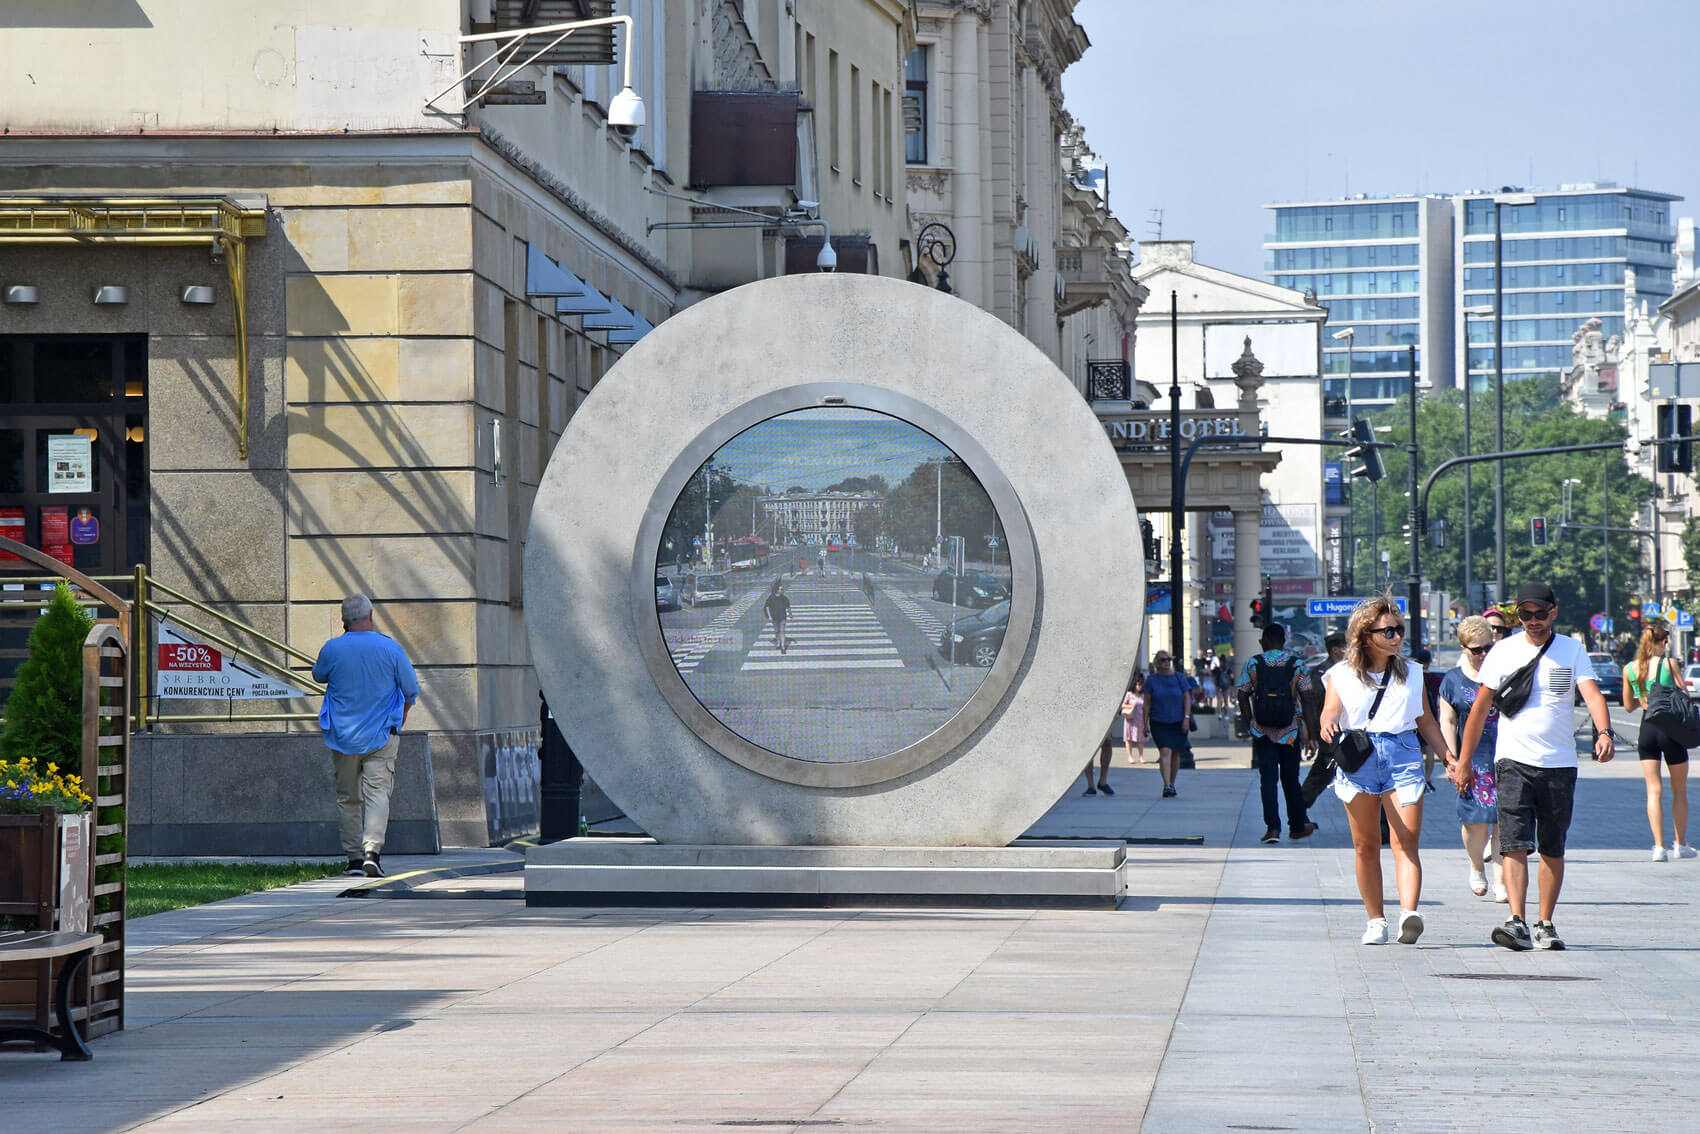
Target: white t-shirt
1542, 735
1399, 709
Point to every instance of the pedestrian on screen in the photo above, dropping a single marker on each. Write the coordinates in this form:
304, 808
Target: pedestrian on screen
369, 689
778, 607
1535, 757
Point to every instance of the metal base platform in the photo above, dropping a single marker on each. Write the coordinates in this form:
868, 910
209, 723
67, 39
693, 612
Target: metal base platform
642, 872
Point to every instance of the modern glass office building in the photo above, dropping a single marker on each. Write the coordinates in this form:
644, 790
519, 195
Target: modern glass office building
1396, 271
1382, 266
1576, 253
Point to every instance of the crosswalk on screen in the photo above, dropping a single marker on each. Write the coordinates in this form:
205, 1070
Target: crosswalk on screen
833, 584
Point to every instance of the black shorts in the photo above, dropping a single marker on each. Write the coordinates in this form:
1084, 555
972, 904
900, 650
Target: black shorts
1534, 807
1653, 744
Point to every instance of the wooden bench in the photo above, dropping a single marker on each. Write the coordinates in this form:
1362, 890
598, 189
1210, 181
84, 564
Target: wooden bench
76, 948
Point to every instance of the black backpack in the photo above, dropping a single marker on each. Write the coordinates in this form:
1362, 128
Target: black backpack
1272, 701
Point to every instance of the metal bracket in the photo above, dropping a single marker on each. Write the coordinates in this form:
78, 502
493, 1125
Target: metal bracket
511, 42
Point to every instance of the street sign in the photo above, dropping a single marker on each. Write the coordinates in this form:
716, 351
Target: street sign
1597, 623
1650, 610
1340, 607
191, 669
991, 541
1684, 620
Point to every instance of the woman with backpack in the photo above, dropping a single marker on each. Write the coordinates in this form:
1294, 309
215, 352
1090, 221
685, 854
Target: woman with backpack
1378, 697
1652, 667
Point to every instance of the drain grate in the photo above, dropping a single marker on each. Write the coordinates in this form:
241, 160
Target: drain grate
1513, 976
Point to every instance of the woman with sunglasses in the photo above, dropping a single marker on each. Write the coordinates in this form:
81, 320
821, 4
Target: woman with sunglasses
1499, 623
1391, 780
1652, 667
1478, 808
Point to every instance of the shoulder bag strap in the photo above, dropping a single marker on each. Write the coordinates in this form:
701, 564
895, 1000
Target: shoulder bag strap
1386, 676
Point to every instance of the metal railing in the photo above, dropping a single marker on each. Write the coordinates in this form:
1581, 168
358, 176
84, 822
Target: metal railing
1108, 380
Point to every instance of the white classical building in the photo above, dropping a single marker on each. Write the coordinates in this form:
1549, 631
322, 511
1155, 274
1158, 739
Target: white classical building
1215, 314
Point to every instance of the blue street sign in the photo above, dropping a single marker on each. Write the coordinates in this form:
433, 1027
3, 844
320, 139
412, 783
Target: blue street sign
1684, 620
1340, 607
1650, 610
992, 541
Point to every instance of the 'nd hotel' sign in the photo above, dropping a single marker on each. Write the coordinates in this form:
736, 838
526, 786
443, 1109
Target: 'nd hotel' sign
1154, 427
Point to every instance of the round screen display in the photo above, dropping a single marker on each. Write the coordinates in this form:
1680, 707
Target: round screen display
833, 584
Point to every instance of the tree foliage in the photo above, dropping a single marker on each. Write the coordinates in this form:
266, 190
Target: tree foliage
44, 715
1535, 417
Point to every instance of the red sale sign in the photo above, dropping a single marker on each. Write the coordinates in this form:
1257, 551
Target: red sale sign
180, 656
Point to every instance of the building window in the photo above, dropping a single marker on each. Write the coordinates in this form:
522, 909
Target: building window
915, 105
887, 131
832, 99
856, 124
806, 66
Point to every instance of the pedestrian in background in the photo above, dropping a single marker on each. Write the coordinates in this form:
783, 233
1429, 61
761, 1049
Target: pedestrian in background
1535, 757
1275, 681
370, 687
1133, 718
1478, 808
1321, 772
1168, 706
1381, 693
778, 608
1652, 667
1499, 622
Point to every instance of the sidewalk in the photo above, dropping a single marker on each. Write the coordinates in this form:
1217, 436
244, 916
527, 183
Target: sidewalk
1229, 992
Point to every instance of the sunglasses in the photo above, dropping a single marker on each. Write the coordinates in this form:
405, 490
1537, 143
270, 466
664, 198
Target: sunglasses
1501, 631
1534, 613
1391, 633
1478, 651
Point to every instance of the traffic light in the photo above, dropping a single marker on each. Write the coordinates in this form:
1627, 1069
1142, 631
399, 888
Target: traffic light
1257, 610
1538, 531
1364, 434
1675, 420
1148, 536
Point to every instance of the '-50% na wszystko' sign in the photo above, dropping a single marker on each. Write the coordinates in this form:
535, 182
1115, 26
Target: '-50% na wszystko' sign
190, 669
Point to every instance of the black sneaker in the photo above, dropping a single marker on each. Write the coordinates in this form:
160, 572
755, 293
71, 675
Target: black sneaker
1090, 791
372, 868
1106, 789
1546, 937
1169, 791
1512, 935
1272, 835
356, 866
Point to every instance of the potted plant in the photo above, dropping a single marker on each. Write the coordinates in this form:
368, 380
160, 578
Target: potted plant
45, 851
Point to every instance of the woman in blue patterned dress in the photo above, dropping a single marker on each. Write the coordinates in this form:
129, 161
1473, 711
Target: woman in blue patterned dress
1478, 810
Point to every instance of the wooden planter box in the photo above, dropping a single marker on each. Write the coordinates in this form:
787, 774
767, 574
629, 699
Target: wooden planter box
46, 871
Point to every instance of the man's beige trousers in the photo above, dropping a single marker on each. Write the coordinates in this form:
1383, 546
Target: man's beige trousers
363, 785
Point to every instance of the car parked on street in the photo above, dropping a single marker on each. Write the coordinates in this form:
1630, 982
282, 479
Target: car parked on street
971, 588
666, 593
977, 639
701, 589
1691, 675
1610, 676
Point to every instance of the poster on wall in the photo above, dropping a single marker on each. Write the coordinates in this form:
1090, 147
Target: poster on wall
188, 668
55, 526
85, 526
1286, 547
12, 527
70, 463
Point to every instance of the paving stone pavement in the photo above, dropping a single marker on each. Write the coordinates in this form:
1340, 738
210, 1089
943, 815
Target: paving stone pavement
1228, 993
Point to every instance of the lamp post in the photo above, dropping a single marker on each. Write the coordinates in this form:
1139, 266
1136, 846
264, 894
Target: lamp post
1500, 200
1349, 336
1469, 537
1414, 579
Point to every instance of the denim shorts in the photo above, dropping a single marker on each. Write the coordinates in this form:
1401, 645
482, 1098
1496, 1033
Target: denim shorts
1397, 766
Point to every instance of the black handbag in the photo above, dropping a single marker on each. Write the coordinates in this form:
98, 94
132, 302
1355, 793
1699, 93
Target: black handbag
1514, 691
1353, 747
1671, 712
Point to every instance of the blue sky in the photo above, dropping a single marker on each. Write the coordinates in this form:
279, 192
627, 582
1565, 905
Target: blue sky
816, 448
1211, 109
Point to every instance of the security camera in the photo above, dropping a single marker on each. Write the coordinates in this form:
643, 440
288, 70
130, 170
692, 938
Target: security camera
625, 113
827, 261
808, 207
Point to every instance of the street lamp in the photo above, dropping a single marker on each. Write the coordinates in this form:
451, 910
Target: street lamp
1349, 337
1478, 312
1499, 201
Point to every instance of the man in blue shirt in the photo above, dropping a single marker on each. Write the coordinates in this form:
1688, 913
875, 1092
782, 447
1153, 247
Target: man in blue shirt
369, 688
1275, 681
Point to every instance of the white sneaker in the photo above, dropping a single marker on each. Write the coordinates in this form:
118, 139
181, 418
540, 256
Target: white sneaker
1410, 927
1376, 932
1683, 850
1660, 854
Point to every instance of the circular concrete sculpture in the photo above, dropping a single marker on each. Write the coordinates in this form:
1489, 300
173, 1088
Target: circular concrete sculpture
807, 436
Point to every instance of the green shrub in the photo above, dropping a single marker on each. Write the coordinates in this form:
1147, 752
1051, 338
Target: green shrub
44, 715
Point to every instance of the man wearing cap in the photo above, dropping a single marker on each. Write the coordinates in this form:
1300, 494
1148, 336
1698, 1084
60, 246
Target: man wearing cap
369, 689
1535, 760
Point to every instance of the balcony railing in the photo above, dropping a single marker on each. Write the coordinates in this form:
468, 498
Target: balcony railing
1108, 380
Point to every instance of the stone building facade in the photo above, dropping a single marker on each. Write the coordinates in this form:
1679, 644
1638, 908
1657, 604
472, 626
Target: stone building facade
410, 298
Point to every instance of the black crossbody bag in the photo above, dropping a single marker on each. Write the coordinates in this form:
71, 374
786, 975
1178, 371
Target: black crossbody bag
1354, 746
1514, 691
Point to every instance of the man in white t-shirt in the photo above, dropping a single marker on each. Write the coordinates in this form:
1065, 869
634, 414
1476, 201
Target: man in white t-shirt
1535, 761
